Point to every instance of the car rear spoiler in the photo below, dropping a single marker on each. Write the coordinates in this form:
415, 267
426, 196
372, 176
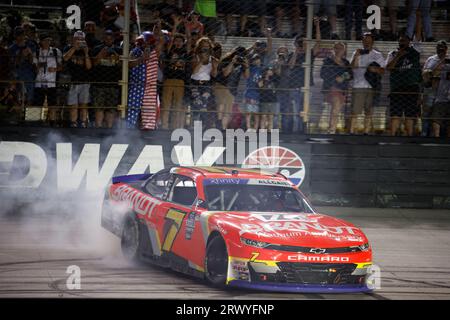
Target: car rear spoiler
131, 178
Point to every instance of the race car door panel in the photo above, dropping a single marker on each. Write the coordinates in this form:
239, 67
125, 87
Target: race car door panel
181, 232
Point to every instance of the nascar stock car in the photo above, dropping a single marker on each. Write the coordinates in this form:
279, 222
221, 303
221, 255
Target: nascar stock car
236, 227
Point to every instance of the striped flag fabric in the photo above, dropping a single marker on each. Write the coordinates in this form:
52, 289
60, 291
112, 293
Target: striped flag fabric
150, 101
143, 102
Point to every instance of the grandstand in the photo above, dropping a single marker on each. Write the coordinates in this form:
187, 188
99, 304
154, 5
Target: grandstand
49, 17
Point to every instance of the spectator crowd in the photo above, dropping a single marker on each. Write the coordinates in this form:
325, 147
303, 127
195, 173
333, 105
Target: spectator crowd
254, 87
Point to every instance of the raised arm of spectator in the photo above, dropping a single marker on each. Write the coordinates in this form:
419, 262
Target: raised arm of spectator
215, 64
269, 41
68, 55
176, 22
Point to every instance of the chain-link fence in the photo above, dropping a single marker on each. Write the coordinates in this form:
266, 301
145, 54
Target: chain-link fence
300, 66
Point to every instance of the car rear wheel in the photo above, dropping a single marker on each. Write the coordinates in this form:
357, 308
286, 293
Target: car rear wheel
216, 261
130, 240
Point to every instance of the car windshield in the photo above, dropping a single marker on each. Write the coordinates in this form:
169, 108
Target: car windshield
262, 198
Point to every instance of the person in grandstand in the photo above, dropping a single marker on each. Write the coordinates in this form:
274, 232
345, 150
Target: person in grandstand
106, 75
365, 61
281, 9
405, 81
425, 7
437, 73
21, 55
230, 69
282, 69
336, 74
297, 76
90, 32
263, 48
353, 7
174, 60
431, 78
78, 63
329, 8
256, 8
204, 67
252, 93
268, 97
48, 62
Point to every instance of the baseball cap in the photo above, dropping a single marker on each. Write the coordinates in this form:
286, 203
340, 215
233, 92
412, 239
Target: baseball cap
79, 34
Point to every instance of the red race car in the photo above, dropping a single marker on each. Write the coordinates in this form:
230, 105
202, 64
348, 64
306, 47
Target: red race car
236, 227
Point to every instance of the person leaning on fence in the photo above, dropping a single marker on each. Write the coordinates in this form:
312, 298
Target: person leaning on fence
174, 67
204, 67
437, 71
78, 63
106, 75
405, 80
336, 74
363, 92
48, 62
431, 74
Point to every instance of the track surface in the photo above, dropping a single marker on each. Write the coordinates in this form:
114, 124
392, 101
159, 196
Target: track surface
412, 248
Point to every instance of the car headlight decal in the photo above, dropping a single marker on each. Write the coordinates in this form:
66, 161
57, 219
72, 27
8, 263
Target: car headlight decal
254, 243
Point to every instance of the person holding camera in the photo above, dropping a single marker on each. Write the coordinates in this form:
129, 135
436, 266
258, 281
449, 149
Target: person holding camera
229, 72
106, 75
78, 63
364, 61
48, 62
204, 68
336, 74
436, 73
405, 81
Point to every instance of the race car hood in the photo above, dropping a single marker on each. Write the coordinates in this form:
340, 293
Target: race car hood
301, 229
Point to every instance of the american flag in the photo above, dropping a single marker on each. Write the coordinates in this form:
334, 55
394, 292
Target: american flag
142, 97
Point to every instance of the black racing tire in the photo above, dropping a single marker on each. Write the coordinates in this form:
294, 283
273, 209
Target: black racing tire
130, 241
216, 262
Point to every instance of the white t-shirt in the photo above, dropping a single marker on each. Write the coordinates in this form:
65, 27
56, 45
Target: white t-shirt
431, 62
364, 60
203, 73
44, 78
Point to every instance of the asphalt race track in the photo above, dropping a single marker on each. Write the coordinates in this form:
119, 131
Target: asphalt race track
411, 247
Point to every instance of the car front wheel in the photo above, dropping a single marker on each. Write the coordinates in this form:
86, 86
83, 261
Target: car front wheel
216, 261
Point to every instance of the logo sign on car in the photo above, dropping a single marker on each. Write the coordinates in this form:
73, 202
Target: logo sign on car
317, 250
